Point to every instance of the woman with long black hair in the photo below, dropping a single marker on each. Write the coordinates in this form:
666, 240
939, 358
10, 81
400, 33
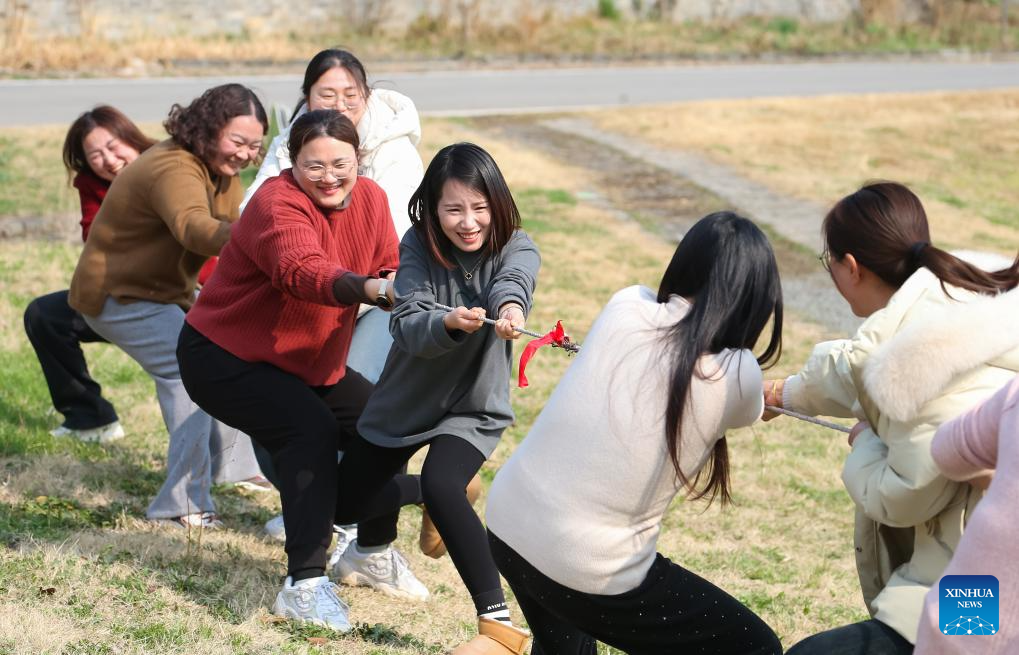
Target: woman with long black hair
574, 515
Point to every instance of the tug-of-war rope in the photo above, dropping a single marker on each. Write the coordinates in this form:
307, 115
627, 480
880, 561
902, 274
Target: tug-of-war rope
557, 338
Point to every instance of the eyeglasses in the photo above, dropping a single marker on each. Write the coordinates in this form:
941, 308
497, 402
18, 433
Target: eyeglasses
349, 102
318, 172
825, 259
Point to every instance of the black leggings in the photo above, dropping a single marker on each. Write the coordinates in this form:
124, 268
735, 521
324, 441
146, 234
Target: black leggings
367, 489
864, 638
301, 427
672, 611
57, 332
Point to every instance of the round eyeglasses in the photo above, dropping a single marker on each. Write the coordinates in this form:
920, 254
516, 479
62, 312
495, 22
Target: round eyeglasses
318, 172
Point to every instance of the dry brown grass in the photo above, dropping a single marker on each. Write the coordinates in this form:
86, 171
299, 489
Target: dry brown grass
958, 151
533, 35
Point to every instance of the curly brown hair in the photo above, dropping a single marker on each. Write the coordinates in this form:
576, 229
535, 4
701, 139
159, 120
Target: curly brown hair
196, 128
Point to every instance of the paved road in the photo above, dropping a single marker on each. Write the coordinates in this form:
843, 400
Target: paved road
471, 92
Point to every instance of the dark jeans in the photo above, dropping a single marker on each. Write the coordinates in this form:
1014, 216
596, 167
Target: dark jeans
865, 638
672, 611
367, 488
301, 427
56, 332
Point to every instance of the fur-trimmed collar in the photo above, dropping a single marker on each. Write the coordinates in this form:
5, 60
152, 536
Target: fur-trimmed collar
923, 358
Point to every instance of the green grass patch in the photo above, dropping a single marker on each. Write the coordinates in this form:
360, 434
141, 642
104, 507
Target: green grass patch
51, 518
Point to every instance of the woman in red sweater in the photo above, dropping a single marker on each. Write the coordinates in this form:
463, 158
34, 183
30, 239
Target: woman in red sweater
99, 144
264, 349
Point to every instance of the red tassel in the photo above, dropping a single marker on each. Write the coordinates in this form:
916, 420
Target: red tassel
555, 337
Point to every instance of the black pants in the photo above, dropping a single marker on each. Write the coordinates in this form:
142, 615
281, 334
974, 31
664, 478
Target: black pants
672, 611
367, 489
301, 427
56, 332
865, 638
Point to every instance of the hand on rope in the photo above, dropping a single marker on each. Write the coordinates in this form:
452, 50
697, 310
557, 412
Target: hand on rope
772, 398
511, 319
466, 320
557, 337
773, 407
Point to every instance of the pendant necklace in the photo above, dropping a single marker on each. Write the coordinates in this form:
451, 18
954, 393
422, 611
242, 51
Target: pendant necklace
469, 275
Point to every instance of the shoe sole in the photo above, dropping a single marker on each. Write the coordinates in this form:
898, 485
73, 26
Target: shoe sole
174, 523
98, 438
293, 616
356, 579
250, 486
104, 439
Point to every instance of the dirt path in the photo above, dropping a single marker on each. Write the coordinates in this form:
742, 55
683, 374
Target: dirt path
666, 191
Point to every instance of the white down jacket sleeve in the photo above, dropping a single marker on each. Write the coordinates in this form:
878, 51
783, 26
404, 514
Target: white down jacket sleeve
825, 385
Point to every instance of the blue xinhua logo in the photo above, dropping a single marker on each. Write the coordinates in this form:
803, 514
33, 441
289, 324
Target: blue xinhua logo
968, 605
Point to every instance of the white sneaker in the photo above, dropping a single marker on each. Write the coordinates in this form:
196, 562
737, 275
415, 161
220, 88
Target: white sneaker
258, 483
274, 528
312, 600
386, 571
102, 434
196, 521
345, 535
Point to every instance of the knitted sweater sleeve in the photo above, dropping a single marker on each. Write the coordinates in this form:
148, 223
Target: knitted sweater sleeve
91, 195
417, 326
387, 254
180, 198
287, 248
515, 280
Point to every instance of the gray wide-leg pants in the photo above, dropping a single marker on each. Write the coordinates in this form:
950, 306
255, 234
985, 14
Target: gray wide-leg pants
201, 450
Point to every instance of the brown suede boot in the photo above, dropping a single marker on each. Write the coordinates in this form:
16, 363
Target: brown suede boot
495, 638
430, 541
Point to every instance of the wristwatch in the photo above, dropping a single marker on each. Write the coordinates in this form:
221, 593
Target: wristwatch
381, 299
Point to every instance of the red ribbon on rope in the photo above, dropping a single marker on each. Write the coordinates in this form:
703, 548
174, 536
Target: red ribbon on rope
554, 337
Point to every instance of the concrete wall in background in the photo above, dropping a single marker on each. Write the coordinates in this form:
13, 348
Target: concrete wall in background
116, 19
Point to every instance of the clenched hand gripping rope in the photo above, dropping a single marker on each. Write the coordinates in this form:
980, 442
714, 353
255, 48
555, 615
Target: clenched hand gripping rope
558, 338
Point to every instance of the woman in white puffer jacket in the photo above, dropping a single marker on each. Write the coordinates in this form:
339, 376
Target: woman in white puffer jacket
389, 128
939, 337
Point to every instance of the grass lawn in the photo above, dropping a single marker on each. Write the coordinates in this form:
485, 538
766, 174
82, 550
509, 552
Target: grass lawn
958, 151
81, 573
